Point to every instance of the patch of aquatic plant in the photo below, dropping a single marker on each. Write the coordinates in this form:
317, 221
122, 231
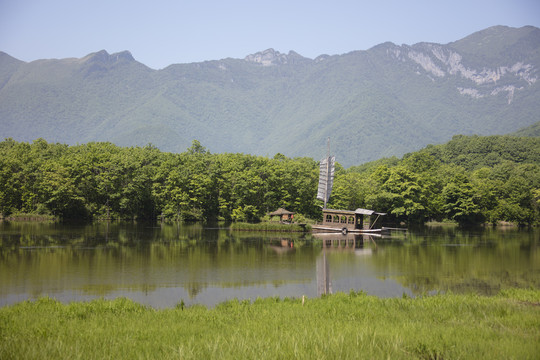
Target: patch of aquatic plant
339, 326
29, 217
269, 226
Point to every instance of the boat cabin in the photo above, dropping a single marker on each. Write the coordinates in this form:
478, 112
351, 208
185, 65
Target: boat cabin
350, 220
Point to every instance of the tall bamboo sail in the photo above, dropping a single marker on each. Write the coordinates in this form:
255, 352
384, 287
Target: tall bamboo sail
326, 177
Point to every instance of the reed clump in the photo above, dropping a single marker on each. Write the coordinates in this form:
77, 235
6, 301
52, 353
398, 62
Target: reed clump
340, 326
270, 226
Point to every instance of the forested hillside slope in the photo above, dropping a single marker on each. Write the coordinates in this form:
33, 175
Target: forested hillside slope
386, 101
532, 130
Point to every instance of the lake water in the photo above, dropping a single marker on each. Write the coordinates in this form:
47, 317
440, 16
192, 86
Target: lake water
163, 264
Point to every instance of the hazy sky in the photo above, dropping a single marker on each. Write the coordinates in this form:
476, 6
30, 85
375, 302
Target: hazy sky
163, 32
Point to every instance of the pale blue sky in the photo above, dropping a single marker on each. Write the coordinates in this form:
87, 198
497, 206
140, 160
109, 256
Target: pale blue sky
163, 32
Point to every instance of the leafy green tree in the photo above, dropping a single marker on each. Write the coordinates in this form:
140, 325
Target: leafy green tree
485, 189
399, 192
460, 201
61, 193
348, 192
10, 176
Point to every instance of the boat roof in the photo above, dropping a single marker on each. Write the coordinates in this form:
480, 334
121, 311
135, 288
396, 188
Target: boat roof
367, 212
352, 212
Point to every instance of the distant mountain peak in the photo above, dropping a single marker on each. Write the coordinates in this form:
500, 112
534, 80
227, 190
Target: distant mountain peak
6, 58
104, 57
271, 57
500, 41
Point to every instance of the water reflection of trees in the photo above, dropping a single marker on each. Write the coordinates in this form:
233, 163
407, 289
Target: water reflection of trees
104, 257
448, 259
101, 258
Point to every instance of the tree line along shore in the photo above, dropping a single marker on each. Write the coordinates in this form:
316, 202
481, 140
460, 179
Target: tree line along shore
469, 180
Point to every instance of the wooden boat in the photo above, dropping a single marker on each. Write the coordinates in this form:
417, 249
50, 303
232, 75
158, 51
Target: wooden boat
342, 220
346, 221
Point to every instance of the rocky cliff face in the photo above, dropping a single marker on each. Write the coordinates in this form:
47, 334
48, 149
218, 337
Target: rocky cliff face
270, 57
439, 61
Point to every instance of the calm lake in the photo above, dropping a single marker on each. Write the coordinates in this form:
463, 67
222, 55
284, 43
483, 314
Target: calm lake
163, 264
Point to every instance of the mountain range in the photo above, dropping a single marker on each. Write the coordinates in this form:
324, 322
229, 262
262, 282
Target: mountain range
385, 101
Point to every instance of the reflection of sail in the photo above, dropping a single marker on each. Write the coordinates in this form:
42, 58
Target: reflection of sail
326, 178
324, 285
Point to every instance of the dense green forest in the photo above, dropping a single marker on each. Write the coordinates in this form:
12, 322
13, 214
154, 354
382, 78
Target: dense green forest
470, 179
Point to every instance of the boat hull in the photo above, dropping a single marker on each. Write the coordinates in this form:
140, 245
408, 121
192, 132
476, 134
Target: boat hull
345, 230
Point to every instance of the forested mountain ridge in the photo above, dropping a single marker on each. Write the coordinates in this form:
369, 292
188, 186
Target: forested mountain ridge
532, 130
386, 101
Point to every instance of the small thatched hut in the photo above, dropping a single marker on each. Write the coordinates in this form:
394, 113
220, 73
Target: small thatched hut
284, 214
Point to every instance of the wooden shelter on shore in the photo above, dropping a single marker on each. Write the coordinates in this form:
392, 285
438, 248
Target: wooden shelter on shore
284, 215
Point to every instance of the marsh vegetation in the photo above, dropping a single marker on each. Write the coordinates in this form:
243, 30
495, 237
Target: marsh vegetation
343, 326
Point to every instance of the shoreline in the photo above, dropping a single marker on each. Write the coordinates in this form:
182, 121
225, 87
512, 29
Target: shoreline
242, 226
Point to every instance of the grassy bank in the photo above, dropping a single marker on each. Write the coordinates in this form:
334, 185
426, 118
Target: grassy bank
29, 217
269, 226
336, 327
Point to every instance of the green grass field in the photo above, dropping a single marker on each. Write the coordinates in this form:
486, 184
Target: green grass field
340, 326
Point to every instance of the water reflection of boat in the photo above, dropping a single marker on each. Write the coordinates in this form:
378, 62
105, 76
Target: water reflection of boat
347, 242
359, 244
324, 285
282, 246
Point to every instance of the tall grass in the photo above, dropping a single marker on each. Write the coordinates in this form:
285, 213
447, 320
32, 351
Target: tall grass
341, 326
269, 226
